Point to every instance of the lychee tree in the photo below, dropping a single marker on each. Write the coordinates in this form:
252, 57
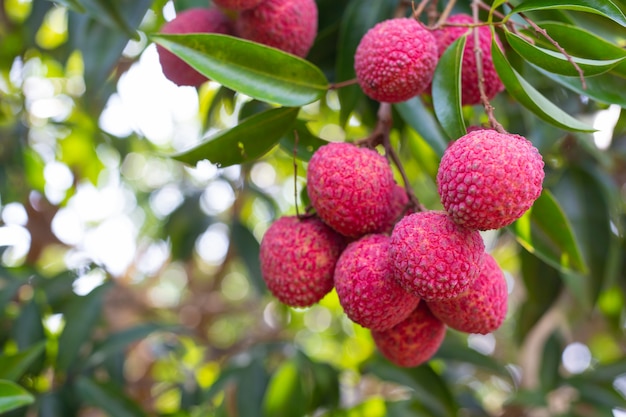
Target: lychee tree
376, 208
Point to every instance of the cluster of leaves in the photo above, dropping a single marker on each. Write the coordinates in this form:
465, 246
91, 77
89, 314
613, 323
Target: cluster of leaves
568, 248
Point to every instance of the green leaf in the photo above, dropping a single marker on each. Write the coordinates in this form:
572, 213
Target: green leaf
256, 70
12, 367
446, 90
556, 62
422, 121
245, 142
28, 328
304, 145
285, 394
453, 349
605, 88
72, 5
110, 13
550, 362
248, 249
532, 99
108, 398
604, 8
13, 396
251, 387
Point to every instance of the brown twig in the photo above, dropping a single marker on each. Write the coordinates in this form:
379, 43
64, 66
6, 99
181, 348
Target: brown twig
295, 171
432, 13
341, 84
417, 11
444, 15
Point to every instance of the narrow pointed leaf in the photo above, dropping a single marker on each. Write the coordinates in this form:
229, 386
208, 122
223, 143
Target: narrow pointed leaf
604, 8
111, 13
256, 70
422, 121
532, 99
245, 142
108, 398
248, 249
300, 142
72, 5
605, 88
12, 367
13, 396
446, 90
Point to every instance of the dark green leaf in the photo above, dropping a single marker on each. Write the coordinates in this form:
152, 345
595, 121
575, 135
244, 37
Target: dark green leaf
606, 373
72, 5
245, 142
301, 142
605, 88
601, 395
108, 398
256, 70
285, 395
13, 396
532, 99
251, 388
446, 90
28, 329
184, 226
453, 350
110, 13
8, 289
604, 8
248, 249
550, 362
12, 367
422, 121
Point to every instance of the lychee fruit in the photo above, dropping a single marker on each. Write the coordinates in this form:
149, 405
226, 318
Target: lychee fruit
487, 179
398, 207
367, 291
412, 341
288, 25
395, 60
470, 92
298, 258
197, 20
350, 188
482, 307
433, 257
237, 4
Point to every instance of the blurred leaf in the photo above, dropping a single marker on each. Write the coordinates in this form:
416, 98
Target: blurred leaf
58, 289
224, 99
71, 4
285, 395
320, 382
446, 90
28, 328
256, 70
601, 395
245, 142
8, 289
453, 350
532, 99
13, 396
251, 387
185, 225
112, 14
108, 398
604, 8
302, 141
605, 88
252, 107
550, 362
422, 121
12, 367
248, 249
606, 373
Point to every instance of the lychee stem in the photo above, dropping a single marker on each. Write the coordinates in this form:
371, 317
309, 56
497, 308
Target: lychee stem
341, 84
295, 171
444, 15
417, 11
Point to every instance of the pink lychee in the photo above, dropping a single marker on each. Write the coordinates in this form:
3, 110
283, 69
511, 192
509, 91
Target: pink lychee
298, 258
482, 307
398, 207
197, 20
433, 257
487, 179
288, 25
412, 341
350, 188
395, 60
237, 4
469, 75
367, 291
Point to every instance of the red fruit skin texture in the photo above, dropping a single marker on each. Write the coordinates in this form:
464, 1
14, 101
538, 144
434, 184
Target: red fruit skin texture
487, 179
395, 60
398, 207
367, 291
350, 188
469, 76
197, 20
288, 25
414, 340
433, 257
482, 307
298, 259
237, 4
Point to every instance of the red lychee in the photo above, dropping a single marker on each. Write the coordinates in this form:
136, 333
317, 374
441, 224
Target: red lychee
367, 291
487, 179
395, 60
298, 258
469, 75
350, 188
397, 208
482, 307
237, 4
197, 20
414, 340
433, 257
288, 25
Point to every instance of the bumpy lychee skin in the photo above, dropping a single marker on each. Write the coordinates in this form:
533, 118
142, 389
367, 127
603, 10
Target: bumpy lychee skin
412, 341
398, 207
197, 20
469, 76
487, 179
298, 258
288, 25
433, 257
482, 307
350, 188
237, 4
367, 291
395, 60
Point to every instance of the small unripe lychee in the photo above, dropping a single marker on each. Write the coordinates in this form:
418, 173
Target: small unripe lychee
288, 25
237, 4
469, 75
298, 258
367, 291
412, 341
487, 179
482, 307
395, 60
197, 20
433, 257
350, 188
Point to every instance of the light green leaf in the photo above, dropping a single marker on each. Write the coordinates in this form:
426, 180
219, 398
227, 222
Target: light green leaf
13, 396
12, 367
422, 121
604, 8
245, 142
256, 70
446, 90
285, 395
